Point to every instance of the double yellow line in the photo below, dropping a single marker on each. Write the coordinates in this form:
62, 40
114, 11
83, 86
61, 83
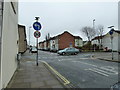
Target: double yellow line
57, 73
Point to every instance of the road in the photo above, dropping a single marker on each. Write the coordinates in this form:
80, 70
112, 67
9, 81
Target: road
81, 70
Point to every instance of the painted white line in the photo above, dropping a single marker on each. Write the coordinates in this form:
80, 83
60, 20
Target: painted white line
84, 58
110, 70
65, 60
97, 72
101, 71
86, 63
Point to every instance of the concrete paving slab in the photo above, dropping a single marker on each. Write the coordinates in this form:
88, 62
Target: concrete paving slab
37, 84
31, 76
107, 56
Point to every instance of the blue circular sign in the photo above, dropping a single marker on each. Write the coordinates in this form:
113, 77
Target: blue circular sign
37, 26
111, 32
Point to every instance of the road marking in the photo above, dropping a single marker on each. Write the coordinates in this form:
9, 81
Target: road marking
58, 74
110, 70
84, 58
101, 70
86, 63
98, 72
65, 59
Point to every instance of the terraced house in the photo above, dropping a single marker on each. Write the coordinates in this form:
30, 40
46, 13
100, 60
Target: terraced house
61, 41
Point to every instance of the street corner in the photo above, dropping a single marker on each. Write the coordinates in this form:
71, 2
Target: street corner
110, 60
65, 83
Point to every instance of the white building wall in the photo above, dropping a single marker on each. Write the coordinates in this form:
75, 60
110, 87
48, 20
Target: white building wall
54, 42
119, 25
119, 42
95, 42
119, 15
40, 46
45, 44
50, 44
78, 43
115, 42
0, 39
9, 42
107, 41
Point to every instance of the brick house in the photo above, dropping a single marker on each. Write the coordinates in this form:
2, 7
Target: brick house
64, 40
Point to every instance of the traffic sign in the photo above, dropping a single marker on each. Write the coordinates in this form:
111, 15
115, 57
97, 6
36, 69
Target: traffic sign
37, 34
111, 31
37, 26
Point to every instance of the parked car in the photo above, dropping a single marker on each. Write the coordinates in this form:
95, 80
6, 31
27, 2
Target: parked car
68, 51
53, 50
116, 86
34, 50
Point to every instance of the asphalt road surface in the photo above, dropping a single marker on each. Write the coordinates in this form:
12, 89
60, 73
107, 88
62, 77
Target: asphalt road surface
81, 70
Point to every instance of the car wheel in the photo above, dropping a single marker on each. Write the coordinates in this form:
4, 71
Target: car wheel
63, 53
75, 53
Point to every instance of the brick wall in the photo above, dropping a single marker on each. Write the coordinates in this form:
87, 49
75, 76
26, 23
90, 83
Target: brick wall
65, 39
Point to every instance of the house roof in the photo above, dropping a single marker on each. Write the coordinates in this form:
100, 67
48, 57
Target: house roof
62, 34
65, 32
117, 31
98, 37
77, 37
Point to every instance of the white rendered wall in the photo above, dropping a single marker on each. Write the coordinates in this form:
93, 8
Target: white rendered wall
9, 42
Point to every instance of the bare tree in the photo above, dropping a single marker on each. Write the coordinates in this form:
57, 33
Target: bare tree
100, 30
47, 36
89, 32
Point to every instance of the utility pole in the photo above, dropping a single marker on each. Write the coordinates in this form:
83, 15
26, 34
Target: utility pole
94, 29
29, 38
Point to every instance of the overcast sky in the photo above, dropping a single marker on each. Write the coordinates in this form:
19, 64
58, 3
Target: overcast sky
57, 17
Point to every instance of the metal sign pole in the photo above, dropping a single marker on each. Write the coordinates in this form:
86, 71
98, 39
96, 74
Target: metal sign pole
37, 27
111, 33
112, 45
37, 52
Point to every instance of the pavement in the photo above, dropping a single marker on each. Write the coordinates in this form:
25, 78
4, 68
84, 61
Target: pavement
28, 75
107, 56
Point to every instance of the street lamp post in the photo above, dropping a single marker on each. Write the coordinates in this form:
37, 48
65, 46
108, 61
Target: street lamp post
29, 37
94, 29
